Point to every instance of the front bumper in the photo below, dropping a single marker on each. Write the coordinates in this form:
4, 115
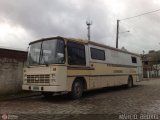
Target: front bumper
43, 88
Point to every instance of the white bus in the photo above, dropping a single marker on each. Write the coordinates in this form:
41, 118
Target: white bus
59, 64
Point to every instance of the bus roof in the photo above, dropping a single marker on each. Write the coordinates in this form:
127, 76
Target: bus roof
85, 41
69, 39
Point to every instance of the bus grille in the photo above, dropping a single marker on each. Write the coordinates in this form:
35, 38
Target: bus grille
43, 78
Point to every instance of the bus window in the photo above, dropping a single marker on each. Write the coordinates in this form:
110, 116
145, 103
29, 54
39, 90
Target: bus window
97, 54
76, 54
134, 59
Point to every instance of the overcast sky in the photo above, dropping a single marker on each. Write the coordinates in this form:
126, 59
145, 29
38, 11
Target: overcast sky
23, 21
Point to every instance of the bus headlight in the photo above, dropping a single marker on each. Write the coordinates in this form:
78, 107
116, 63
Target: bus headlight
53, 78
25, 77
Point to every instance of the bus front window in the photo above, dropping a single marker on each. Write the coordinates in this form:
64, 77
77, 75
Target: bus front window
46, 52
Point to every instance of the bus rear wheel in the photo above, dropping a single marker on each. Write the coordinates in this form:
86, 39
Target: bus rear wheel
130, 82
77, 89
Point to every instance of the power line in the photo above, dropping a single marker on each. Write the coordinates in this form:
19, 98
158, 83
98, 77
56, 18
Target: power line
141, 14
118, 21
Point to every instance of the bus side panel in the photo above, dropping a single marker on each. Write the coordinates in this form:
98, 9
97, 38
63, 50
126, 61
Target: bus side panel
106, 75
103, 75
70, 82
61, 76
108, 81
72, 74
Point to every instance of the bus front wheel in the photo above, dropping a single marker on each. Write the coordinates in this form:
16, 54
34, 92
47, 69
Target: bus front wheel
77, 89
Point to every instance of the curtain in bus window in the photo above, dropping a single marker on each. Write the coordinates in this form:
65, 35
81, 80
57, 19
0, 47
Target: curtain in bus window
76, 53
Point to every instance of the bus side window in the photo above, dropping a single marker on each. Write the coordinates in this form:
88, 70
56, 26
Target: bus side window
134, 59
76, 53
97, 54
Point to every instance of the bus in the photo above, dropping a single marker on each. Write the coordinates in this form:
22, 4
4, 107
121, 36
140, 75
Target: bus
68, 65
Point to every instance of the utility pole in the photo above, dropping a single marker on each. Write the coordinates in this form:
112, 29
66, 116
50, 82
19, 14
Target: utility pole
117, 35
88, 23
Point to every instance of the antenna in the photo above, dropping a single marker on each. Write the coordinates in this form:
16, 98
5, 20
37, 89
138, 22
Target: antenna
88, 23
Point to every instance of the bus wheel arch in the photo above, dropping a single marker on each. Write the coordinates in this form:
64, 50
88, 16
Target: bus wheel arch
78, 86
130, 81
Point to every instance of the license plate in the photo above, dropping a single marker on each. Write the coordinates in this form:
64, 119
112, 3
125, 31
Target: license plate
35, 88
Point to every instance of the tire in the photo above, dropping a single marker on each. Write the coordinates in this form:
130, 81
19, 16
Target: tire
47, 94
77, 89
130, 82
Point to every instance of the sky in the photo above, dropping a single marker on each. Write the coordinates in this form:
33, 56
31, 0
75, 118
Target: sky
23, 21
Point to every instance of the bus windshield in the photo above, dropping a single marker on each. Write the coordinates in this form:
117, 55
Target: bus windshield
46, 52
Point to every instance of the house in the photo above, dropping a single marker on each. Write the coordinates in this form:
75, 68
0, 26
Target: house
11, 70
151, 64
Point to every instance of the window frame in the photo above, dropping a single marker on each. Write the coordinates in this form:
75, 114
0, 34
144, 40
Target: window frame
134, 59
84, 49
97, 49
